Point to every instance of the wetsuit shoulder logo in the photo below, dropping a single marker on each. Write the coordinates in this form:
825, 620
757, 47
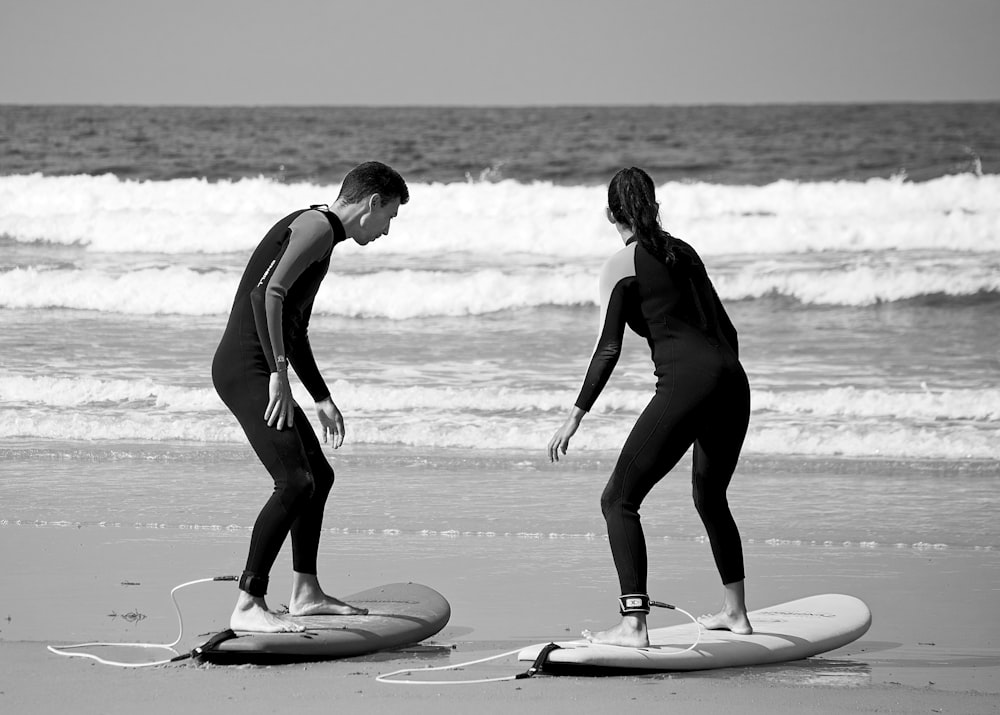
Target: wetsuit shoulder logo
266, 273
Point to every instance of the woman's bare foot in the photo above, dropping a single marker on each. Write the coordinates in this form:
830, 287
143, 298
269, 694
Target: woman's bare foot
251, 615
737, 623
308, 599
631, 632
733, 615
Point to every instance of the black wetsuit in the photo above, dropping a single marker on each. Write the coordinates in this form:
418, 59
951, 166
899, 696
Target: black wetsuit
702, 398
284, 272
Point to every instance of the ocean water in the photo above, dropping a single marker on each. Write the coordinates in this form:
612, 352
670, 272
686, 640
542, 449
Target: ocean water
857, 249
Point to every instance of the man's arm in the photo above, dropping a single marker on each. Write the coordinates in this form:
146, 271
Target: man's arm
310, 237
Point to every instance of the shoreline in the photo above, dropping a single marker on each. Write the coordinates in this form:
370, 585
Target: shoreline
500, 494
166, 530
388, 455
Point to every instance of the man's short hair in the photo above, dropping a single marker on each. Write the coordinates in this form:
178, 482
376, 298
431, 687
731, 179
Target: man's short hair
373, 177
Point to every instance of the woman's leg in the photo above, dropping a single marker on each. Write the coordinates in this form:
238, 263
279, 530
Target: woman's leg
658, 440
716, 453
660, 437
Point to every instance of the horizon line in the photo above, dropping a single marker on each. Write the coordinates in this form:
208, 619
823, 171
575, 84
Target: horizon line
553, 105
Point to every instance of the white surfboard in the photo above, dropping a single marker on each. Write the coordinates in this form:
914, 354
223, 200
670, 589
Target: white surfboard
398, 614
788, 631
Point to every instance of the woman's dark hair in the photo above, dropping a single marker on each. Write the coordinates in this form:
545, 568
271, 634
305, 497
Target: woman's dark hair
373, 177
632, 200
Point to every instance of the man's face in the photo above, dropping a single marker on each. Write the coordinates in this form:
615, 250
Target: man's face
375, 223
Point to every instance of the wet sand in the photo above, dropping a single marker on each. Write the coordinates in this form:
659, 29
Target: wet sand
933, 645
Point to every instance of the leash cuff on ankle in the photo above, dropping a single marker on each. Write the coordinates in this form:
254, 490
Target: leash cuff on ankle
633, 603
639, 603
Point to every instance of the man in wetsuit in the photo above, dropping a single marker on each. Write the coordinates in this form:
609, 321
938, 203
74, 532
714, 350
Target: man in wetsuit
268, 331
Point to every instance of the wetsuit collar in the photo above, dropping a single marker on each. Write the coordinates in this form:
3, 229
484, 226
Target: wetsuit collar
339, 233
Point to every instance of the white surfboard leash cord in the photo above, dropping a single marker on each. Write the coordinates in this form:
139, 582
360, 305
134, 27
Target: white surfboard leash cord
61, 650
535, 668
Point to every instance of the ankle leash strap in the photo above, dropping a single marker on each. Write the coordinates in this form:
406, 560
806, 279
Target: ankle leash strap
639, 603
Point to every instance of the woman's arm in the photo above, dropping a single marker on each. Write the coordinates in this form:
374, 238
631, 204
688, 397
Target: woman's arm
614, 283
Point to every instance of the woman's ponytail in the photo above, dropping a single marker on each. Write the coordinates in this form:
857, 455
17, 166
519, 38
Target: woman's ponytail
632, 200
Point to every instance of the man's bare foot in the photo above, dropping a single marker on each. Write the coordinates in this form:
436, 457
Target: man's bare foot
251, 615
737, 623
631, 633
308, 599
324, 606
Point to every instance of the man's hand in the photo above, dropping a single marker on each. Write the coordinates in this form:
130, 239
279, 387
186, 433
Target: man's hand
280, 405
331, 420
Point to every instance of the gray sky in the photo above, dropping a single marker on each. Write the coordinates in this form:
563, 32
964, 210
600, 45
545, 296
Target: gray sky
497, 52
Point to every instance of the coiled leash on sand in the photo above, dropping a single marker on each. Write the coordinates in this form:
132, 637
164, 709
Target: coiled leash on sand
631, 603
224, 635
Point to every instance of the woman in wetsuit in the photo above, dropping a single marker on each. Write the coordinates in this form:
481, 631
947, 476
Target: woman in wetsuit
268, 331
658, 285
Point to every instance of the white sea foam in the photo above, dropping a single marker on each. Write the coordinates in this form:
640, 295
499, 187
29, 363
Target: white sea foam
863, 280
865, 439
496, 246
81, 392
177, 248
105, 213
426, 293
845, 421
981, 405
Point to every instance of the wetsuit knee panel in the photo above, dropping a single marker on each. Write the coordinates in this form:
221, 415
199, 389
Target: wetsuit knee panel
709, 499
323, 478
298, 488
611, 498
614, 502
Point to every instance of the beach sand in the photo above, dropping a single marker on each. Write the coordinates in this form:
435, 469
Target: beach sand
933, 645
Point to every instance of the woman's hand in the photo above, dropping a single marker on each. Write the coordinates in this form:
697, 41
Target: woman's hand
331, 420
560, 440
280, 405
